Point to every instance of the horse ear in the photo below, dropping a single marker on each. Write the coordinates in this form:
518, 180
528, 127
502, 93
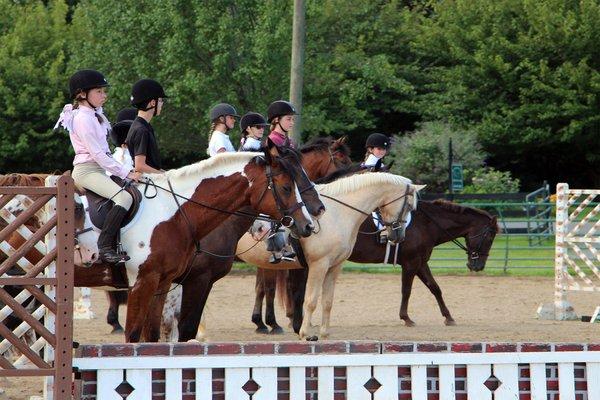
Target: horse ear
67, 173
389, 166
342, 140
272, 148
419, 187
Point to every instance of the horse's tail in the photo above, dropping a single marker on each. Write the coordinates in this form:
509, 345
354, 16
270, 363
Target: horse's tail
282, 291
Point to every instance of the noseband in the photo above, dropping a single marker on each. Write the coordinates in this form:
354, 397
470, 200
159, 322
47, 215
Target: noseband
475, 254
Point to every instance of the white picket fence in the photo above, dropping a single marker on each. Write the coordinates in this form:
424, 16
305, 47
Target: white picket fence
360, 368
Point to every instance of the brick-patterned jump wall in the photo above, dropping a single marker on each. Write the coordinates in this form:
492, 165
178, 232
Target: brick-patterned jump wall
85, 388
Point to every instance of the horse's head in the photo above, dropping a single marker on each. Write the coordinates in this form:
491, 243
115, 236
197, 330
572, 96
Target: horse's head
291, 160
86, 247
396, 207
324, 155
479, 239
273, 191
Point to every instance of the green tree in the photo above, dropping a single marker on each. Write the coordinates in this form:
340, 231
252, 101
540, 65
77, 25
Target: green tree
525, 74
423, 154
32, 84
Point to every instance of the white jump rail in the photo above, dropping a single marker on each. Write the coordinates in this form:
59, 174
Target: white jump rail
577, 247
360, 368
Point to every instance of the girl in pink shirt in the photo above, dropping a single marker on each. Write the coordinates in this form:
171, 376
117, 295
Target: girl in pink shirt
88, 127
281, 117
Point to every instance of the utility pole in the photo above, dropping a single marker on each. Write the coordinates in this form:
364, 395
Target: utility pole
297, 70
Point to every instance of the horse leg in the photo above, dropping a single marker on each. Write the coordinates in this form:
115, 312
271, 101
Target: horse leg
170, 314
426, 277
258, 301
270, 285
327, 298
152, 326
316, 275
296, 290
408, 275
112, 316
138, 305
195, 293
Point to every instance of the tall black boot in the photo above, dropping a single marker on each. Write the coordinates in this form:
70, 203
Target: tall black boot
107, 242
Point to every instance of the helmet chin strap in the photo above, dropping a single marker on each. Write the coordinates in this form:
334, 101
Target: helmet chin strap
88, 100
281, 127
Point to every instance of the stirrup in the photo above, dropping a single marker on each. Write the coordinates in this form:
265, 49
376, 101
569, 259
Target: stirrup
274, 260
383, 238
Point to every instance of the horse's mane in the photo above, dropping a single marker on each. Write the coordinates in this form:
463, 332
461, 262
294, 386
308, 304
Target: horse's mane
359, 181
23, 179
458, 209
210, 166
340, 173
323, 144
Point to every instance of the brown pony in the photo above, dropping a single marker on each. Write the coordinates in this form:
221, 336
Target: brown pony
163, 245
433, 223
319, 157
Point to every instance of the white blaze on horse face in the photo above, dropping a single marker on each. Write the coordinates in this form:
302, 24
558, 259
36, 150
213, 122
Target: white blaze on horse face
304, 210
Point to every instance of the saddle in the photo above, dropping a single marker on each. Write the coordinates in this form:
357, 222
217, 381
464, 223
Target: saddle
100, 206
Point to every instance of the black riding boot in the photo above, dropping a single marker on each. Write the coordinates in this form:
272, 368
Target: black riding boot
107, 242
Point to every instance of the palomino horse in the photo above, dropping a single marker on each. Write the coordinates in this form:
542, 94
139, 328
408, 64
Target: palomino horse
320, 157
433, 223
349, 200
164, 242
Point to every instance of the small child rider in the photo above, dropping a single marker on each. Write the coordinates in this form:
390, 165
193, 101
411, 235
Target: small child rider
377, 146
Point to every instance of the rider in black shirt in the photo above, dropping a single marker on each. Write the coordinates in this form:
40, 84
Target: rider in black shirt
147, 96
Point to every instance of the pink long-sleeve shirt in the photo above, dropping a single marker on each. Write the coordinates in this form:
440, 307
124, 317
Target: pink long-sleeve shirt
281, 139
88, 138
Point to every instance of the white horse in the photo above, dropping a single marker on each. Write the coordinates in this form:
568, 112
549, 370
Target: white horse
332, 244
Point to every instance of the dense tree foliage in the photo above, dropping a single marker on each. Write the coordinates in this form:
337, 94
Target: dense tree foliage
521, 76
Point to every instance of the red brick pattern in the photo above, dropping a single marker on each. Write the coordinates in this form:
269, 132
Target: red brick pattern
87, 382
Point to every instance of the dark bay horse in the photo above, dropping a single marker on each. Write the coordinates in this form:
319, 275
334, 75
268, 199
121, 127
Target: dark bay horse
433, 223
320, 157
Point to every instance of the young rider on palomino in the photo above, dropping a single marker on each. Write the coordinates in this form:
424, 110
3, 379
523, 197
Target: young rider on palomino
280, 114
252, 126
222, 118
148, 96
88, 127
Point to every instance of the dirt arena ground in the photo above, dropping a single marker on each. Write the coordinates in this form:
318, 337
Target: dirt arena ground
366, 307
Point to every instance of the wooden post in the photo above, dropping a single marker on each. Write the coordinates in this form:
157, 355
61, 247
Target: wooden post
297, 68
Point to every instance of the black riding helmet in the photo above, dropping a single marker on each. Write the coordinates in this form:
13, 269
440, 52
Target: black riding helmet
84, 80
252, 119
222, 110
119, 130
378, 140
145, 90
280, 108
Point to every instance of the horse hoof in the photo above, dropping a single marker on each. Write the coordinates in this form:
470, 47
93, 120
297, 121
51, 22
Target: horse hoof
312, 338
117, 331
276, 331
450, 322
262, 330
410, 323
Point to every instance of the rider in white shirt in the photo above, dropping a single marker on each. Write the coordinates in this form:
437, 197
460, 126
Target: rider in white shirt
222, 117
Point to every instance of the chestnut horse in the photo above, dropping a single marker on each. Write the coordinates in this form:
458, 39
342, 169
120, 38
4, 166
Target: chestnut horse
165, 241
320, 157
349, 200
